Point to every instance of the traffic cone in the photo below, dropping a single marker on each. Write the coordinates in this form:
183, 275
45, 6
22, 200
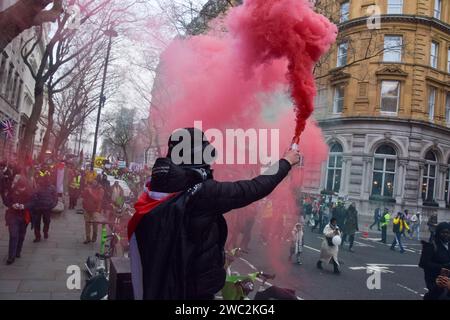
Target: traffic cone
365, 233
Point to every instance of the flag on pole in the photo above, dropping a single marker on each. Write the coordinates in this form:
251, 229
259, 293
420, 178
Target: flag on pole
8, 128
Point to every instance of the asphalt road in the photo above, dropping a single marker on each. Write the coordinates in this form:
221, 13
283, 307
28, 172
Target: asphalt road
399, 276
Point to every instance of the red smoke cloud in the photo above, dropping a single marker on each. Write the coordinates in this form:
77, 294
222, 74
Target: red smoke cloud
249, 77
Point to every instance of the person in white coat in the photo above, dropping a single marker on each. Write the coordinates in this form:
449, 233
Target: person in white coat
329, 250
297, 243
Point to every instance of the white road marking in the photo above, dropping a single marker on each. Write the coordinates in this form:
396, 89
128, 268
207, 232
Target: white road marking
409, 289
310, 248
364, 244
249, 264
373, 268
393, 265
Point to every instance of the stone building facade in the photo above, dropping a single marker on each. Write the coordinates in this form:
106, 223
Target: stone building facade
383, 104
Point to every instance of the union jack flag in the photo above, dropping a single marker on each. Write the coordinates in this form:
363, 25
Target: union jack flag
8, 128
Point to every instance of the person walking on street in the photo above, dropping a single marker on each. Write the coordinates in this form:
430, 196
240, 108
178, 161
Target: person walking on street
399, 227
416, 220
42, 202
350, 226
432, 224
297, 243
329, 250
17, 217
407, 218
434, 259
339, 214
376, 219
74, 188
384, 222
92, 205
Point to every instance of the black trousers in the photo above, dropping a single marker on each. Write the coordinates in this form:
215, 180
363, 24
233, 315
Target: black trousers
384, 234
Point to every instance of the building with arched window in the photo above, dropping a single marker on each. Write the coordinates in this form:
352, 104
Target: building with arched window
383, 103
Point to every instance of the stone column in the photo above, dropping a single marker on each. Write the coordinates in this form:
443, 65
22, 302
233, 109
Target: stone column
419, 192
367, 177
440, 185
400, 181
345, 175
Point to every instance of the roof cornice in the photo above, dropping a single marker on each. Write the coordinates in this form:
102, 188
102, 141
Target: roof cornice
405, 18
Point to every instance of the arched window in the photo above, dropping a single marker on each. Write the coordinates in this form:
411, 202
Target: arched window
429, 177
385, 162
334, 168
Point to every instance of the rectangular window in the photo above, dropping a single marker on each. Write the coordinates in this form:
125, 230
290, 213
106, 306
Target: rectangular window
342, 54
437, 9
390, 96
392, 49
447, 108
434, 54
431, 103
345, 13
338, 101
395, 7
448, 60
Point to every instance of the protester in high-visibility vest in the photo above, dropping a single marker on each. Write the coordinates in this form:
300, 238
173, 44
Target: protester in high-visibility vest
385, 218
74, 189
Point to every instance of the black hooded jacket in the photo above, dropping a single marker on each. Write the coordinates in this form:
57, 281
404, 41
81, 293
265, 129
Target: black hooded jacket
203, 225
434, 257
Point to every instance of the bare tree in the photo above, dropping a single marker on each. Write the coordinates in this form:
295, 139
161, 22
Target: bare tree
65, 45
25, 14
119, 131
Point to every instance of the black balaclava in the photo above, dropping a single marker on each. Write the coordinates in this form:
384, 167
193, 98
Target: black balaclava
171, 175
440, 227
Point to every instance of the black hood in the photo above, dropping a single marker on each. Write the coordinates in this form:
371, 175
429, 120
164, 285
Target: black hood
168, 177
441, 226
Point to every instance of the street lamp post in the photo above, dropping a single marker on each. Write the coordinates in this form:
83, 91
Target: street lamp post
110, 33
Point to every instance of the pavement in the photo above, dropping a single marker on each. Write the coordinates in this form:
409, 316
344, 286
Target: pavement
40, 273
399, 276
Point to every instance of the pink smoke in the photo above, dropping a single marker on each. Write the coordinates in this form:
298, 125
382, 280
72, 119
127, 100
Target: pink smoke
226, 80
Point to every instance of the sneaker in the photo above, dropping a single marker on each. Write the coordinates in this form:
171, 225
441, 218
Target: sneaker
10, 261
45, 235
336, 271
319, 265
402, 251
392, 248
18, 255
86, 241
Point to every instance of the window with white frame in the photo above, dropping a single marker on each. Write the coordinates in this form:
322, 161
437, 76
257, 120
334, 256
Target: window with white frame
392, 48
334, 168
431, 102
447, 108
384, 171
395, 7
342, 54
434, 54
437, 9
345, 11
429, 177
338, 99
390, 96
